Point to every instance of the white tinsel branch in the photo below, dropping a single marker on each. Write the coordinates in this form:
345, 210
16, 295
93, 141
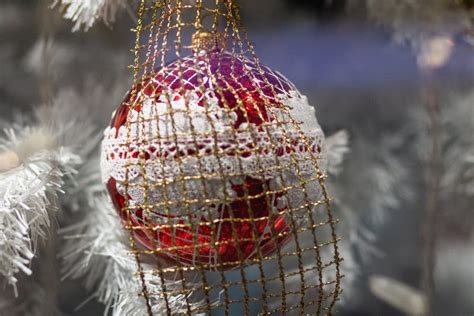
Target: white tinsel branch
37, 158
97, 250
28, 194
416, 20
457, 155
373, 184
84, 13
338, 147
427, 25
458, 142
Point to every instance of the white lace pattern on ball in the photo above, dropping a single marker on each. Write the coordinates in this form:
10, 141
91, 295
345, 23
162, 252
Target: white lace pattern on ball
169, 143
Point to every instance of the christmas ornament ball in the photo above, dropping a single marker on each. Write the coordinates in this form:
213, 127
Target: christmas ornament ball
213, 160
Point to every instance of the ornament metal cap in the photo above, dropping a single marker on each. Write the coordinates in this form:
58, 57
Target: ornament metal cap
207, 41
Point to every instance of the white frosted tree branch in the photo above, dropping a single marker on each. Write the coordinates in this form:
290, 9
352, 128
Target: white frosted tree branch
416, 20
84, 13
338, 147
28, 195
39, 158
96, 249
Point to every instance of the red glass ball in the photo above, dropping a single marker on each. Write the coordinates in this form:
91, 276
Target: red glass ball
252, 223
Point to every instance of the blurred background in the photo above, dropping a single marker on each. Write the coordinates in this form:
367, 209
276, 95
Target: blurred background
364, 76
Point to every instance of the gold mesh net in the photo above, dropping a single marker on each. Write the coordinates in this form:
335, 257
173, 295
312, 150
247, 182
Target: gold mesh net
217, 167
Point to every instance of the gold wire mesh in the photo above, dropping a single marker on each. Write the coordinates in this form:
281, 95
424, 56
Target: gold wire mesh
300, 277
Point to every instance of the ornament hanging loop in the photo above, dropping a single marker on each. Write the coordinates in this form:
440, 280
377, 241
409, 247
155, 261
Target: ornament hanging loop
207, 41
